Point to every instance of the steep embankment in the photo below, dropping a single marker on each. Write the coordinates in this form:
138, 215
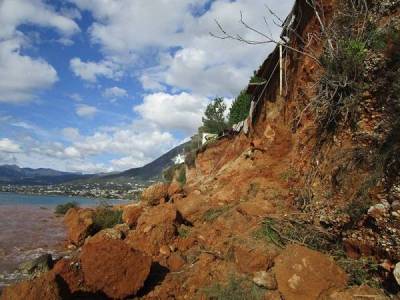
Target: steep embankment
302, 206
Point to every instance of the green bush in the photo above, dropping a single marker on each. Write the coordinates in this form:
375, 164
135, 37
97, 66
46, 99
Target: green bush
181, 178
168, 174
106, 217
62, 209
240, 108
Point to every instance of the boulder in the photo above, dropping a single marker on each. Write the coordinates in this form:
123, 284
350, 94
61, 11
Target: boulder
46, 287
79, 222
156, 227
250, 260
36, 266
305, 274
113, 268
190, 207
131, 214
154, 193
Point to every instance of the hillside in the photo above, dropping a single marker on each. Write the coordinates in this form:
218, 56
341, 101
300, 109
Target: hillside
304, 205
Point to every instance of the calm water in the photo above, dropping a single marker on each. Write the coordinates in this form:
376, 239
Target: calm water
29, 228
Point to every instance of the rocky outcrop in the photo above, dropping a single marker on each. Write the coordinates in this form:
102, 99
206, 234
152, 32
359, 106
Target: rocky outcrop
154, 193
304, 274
112, 267
79, 223
156, 227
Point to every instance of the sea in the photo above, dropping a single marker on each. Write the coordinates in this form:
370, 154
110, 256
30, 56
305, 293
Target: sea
29, 228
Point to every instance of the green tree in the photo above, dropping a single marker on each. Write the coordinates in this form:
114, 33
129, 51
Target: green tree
214, 117
240, 108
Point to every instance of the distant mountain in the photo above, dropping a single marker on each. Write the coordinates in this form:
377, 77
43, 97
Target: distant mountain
153, 169
12, 174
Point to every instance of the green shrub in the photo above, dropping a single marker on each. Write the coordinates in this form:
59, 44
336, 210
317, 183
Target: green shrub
181, 178
240, 108
235, 289
184, 231
106, 217
62, 209
169, 173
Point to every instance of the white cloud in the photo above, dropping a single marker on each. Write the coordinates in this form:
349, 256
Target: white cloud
16, 12
72, 152
21, 76
9, 146
115, 92
91, 70
127, 162
202, 65
76, 97
85, 111
173, 112
71, 134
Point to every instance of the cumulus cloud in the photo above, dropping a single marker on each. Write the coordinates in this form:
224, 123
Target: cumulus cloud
115, 92
90, 71
86, 111
16, 12
71, 133
21, 76
202, 64
9, 146
173, 112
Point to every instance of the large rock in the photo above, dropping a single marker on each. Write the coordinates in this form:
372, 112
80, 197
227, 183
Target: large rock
154, 193
191, 207
112, 267
105, 234
131, 214
46, 287
250, 260
156, 227
79, 222
304, 274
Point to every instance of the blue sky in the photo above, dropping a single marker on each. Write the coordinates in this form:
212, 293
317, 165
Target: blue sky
107, 85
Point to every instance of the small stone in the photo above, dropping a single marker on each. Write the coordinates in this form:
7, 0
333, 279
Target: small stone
164, 250
176, 262
265, 279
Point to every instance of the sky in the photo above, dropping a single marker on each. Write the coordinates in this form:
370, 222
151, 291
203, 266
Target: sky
106, 85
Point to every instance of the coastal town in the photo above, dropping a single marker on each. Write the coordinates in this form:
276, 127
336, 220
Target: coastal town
109, 190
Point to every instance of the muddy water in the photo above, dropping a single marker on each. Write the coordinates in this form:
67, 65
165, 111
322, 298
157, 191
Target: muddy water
29, 228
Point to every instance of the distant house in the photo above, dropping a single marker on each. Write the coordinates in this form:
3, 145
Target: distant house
179, 159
